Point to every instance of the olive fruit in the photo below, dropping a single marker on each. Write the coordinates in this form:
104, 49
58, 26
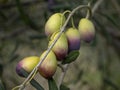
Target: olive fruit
27, 64
73, 37
48, 66
54, 23
86, 29
61, 46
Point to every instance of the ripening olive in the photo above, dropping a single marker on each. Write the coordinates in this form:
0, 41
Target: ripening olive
27, 64
61, 46
48, 66
73, 37
54, 23
86, 29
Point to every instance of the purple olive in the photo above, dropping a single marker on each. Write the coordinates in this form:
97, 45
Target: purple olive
27, 64
61, 47
73, 37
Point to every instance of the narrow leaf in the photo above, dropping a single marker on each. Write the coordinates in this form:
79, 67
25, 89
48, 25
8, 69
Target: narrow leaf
72, 56
52, 84
25, 17
33, 82
63, 87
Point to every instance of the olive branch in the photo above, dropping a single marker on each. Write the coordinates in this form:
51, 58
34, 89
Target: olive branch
62, 29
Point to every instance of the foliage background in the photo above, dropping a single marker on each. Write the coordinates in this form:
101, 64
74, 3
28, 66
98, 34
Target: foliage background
22, 34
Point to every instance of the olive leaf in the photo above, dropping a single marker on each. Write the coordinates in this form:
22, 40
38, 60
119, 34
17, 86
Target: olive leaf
72, 56
33, 82
36, 84
52, 84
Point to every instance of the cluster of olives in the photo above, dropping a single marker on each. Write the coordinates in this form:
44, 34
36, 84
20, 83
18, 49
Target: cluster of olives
69, 41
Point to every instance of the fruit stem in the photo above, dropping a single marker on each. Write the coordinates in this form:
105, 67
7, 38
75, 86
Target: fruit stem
30, 76
65, 68
88, 15
72, 21
67, 11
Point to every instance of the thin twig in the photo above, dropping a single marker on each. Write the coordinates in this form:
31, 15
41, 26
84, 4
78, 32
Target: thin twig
63, 74
95, 7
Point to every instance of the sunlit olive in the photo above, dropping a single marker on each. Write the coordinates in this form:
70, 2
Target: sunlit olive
27, 64
48, 66
54, 23
87, 30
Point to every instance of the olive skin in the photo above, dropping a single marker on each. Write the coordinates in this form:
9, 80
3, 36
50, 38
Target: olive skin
86, 29
54, 23
73, 37
61, 46
27, 64
48, 66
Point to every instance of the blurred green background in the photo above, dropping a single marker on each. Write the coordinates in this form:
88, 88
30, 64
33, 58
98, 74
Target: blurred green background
22, 34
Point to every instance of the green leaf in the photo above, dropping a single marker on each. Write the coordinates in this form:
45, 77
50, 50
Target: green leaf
36, 84
63, 87
25, 17
33, 82
52, 84
72, 56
